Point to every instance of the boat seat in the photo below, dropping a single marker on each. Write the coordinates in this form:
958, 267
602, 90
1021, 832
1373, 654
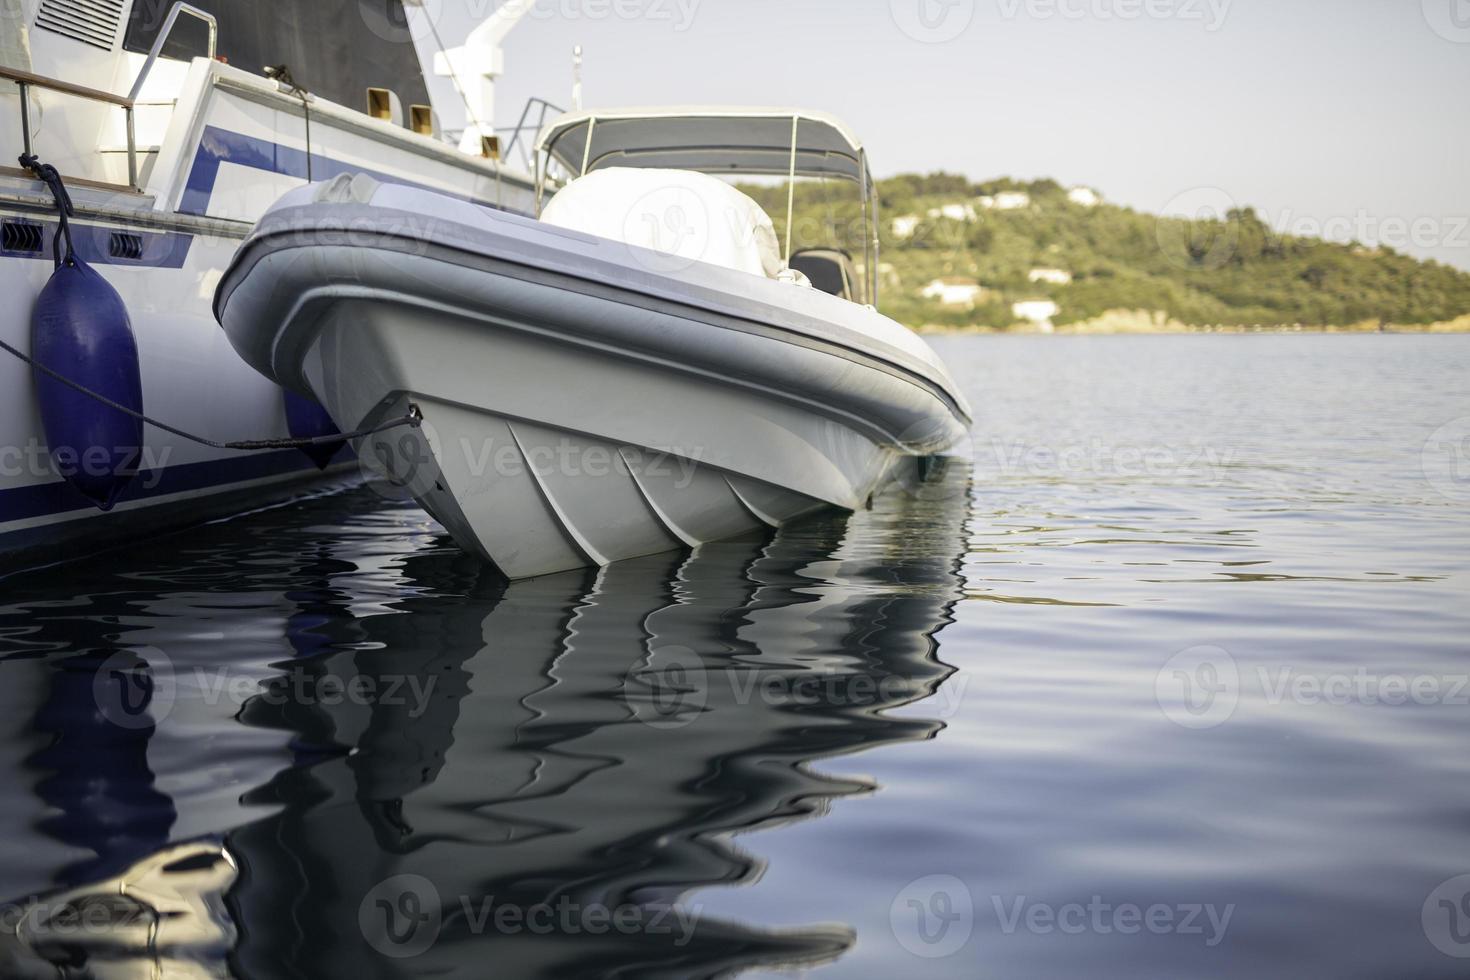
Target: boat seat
829, 269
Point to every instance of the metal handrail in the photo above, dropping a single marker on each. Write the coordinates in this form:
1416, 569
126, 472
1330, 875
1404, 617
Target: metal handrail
163, 36
521, 125
25, 81
57, 85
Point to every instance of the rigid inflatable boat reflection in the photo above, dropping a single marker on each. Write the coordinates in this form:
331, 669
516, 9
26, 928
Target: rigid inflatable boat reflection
642, 369
569, 758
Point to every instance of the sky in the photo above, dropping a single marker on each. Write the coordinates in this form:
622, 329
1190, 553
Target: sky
1346, 119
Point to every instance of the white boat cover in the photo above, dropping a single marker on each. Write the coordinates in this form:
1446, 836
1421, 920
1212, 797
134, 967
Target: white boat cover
683, 214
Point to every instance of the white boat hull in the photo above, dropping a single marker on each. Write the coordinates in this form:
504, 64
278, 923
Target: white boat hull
540, 478
579, 408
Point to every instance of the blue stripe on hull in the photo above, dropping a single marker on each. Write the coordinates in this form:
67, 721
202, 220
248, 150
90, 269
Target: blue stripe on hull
218, 146
49, 499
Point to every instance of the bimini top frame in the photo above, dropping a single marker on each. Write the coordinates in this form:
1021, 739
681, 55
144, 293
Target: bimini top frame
717, 140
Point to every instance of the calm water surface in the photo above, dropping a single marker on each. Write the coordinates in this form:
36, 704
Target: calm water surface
1169, 681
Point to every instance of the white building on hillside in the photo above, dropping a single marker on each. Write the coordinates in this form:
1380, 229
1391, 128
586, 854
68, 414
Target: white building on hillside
956, 292
905, 225
1085, 196
955, 212
1037, 311
1006, 201
1057, 277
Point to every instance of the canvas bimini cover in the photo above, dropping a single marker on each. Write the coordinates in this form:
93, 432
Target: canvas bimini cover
710, 139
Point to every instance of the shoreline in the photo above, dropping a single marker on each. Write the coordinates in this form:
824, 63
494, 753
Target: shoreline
1145, 323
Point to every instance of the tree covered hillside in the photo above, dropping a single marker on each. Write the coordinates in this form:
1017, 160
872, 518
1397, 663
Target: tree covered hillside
1005, 242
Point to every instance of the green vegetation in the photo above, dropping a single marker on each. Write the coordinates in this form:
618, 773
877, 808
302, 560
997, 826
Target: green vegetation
1231, 272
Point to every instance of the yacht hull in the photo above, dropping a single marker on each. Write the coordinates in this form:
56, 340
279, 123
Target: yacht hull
216, 146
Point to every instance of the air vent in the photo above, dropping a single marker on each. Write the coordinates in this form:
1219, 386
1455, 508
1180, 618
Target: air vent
380, 104
93, 22
21, 236
125, 246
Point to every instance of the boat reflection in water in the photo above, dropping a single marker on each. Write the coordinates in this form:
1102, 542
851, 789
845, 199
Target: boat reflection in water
536, 779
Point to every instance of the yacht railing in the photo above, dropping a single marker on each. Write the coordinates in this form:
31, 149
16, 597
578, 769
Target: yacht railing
162, 39
521, 126
25, 81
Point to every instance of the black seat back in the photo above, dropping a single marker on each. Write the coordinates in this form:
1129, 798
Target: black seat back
829, 270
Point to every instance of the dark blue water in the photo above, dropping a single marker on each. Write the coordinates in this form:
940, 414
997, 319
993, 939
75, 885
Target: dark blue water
1169, 677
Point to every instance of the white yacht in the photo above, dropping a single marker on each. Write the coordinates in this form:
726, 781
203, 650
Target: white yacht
174, 128
643, 368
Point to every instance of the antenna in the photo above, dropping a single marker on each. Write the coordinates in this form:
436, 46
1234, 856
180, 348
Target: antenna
577, 78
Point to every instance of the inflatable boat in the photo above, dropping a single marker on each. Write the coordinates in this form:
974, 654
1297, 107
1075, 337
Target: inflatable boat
642, 368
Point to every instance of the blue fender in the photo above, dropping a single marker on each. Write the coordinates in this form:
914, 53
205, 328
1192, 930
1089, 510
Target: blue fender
306, 419
80, 329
